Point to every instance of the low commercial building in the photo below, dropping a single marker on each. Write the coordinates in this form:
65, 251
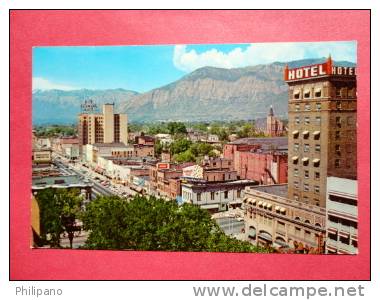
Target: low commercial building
93, 151
41, 156
68, 147
62, 182
261, 159
214, 196
342, 216
271, 219
164, 178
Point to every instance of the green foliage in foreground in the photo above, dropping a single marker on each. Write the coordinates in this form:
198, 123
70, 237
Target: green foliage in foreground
155, 224
59, 210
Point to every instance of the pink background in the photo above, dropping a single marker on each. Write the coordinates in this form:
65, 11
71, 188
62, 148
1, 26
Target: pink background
41, 28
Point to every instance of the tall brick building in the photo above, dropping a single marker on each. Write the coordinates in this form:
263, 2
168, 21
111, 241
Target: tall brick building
105, 127
322, 129
321, 145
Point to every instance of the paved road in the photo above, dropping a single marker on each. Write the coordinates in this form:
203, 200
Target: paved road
84, 172
230, 226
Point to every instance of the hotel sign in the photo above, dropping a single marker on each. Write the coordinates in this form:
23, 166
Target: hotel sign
317, 70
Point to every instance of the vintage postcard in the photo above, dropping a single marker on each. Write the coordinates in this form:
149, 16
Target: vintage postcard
200, 147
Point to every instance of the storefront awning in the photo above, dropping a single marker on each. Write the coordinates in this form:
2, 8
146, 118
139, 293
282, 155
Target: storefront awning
265, 236
252, 201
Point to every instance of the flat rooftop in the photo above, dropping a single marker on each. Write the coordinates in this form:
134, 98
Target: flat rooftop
280, 190
104, 145
55, 181
278, 142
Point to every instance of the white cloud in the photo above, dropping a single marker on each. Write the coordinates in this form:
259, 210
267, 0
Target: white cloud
254, 54
39, 83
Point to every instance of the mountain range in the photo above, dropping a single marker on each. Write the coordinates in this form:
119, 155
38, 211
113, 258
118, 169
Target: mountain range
206, 94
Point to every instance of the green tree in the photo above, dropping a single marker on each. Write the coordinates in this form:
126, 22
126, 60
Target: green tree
186, 156
247, 130
180, 145
59, 210
176, 128
155, 224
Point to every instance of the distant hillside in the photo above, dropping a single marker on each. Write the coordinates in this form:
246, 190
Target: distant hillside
211, 93
62, 107
206, 94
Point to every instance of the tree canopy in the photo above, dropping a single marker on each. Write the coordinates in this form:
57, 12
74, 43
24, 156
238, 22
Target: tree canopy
155, 224
59, 210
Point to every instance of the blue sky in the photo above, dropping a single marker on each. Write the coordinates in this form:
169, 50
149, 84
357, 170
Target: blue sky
142, 68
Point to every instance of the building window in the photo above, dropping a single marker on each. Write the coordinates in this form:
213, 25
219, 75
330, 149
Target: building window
316, 175
306, 187
297, 231
317, 148
239, 193
338, 92
297, 120
337, 149
316, 202
316, 189
337, 135
296, 94
225, 194
318, 106
307, 107
306, 148
307, 120
198, 197
306, 174
296, 147
318, 93
295, 172
338, 105
296, 197
354, 243
333, 236
297, 107
212, 195
344, 240
296, 186
337, 163
317, 120
306, 94
338, 121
